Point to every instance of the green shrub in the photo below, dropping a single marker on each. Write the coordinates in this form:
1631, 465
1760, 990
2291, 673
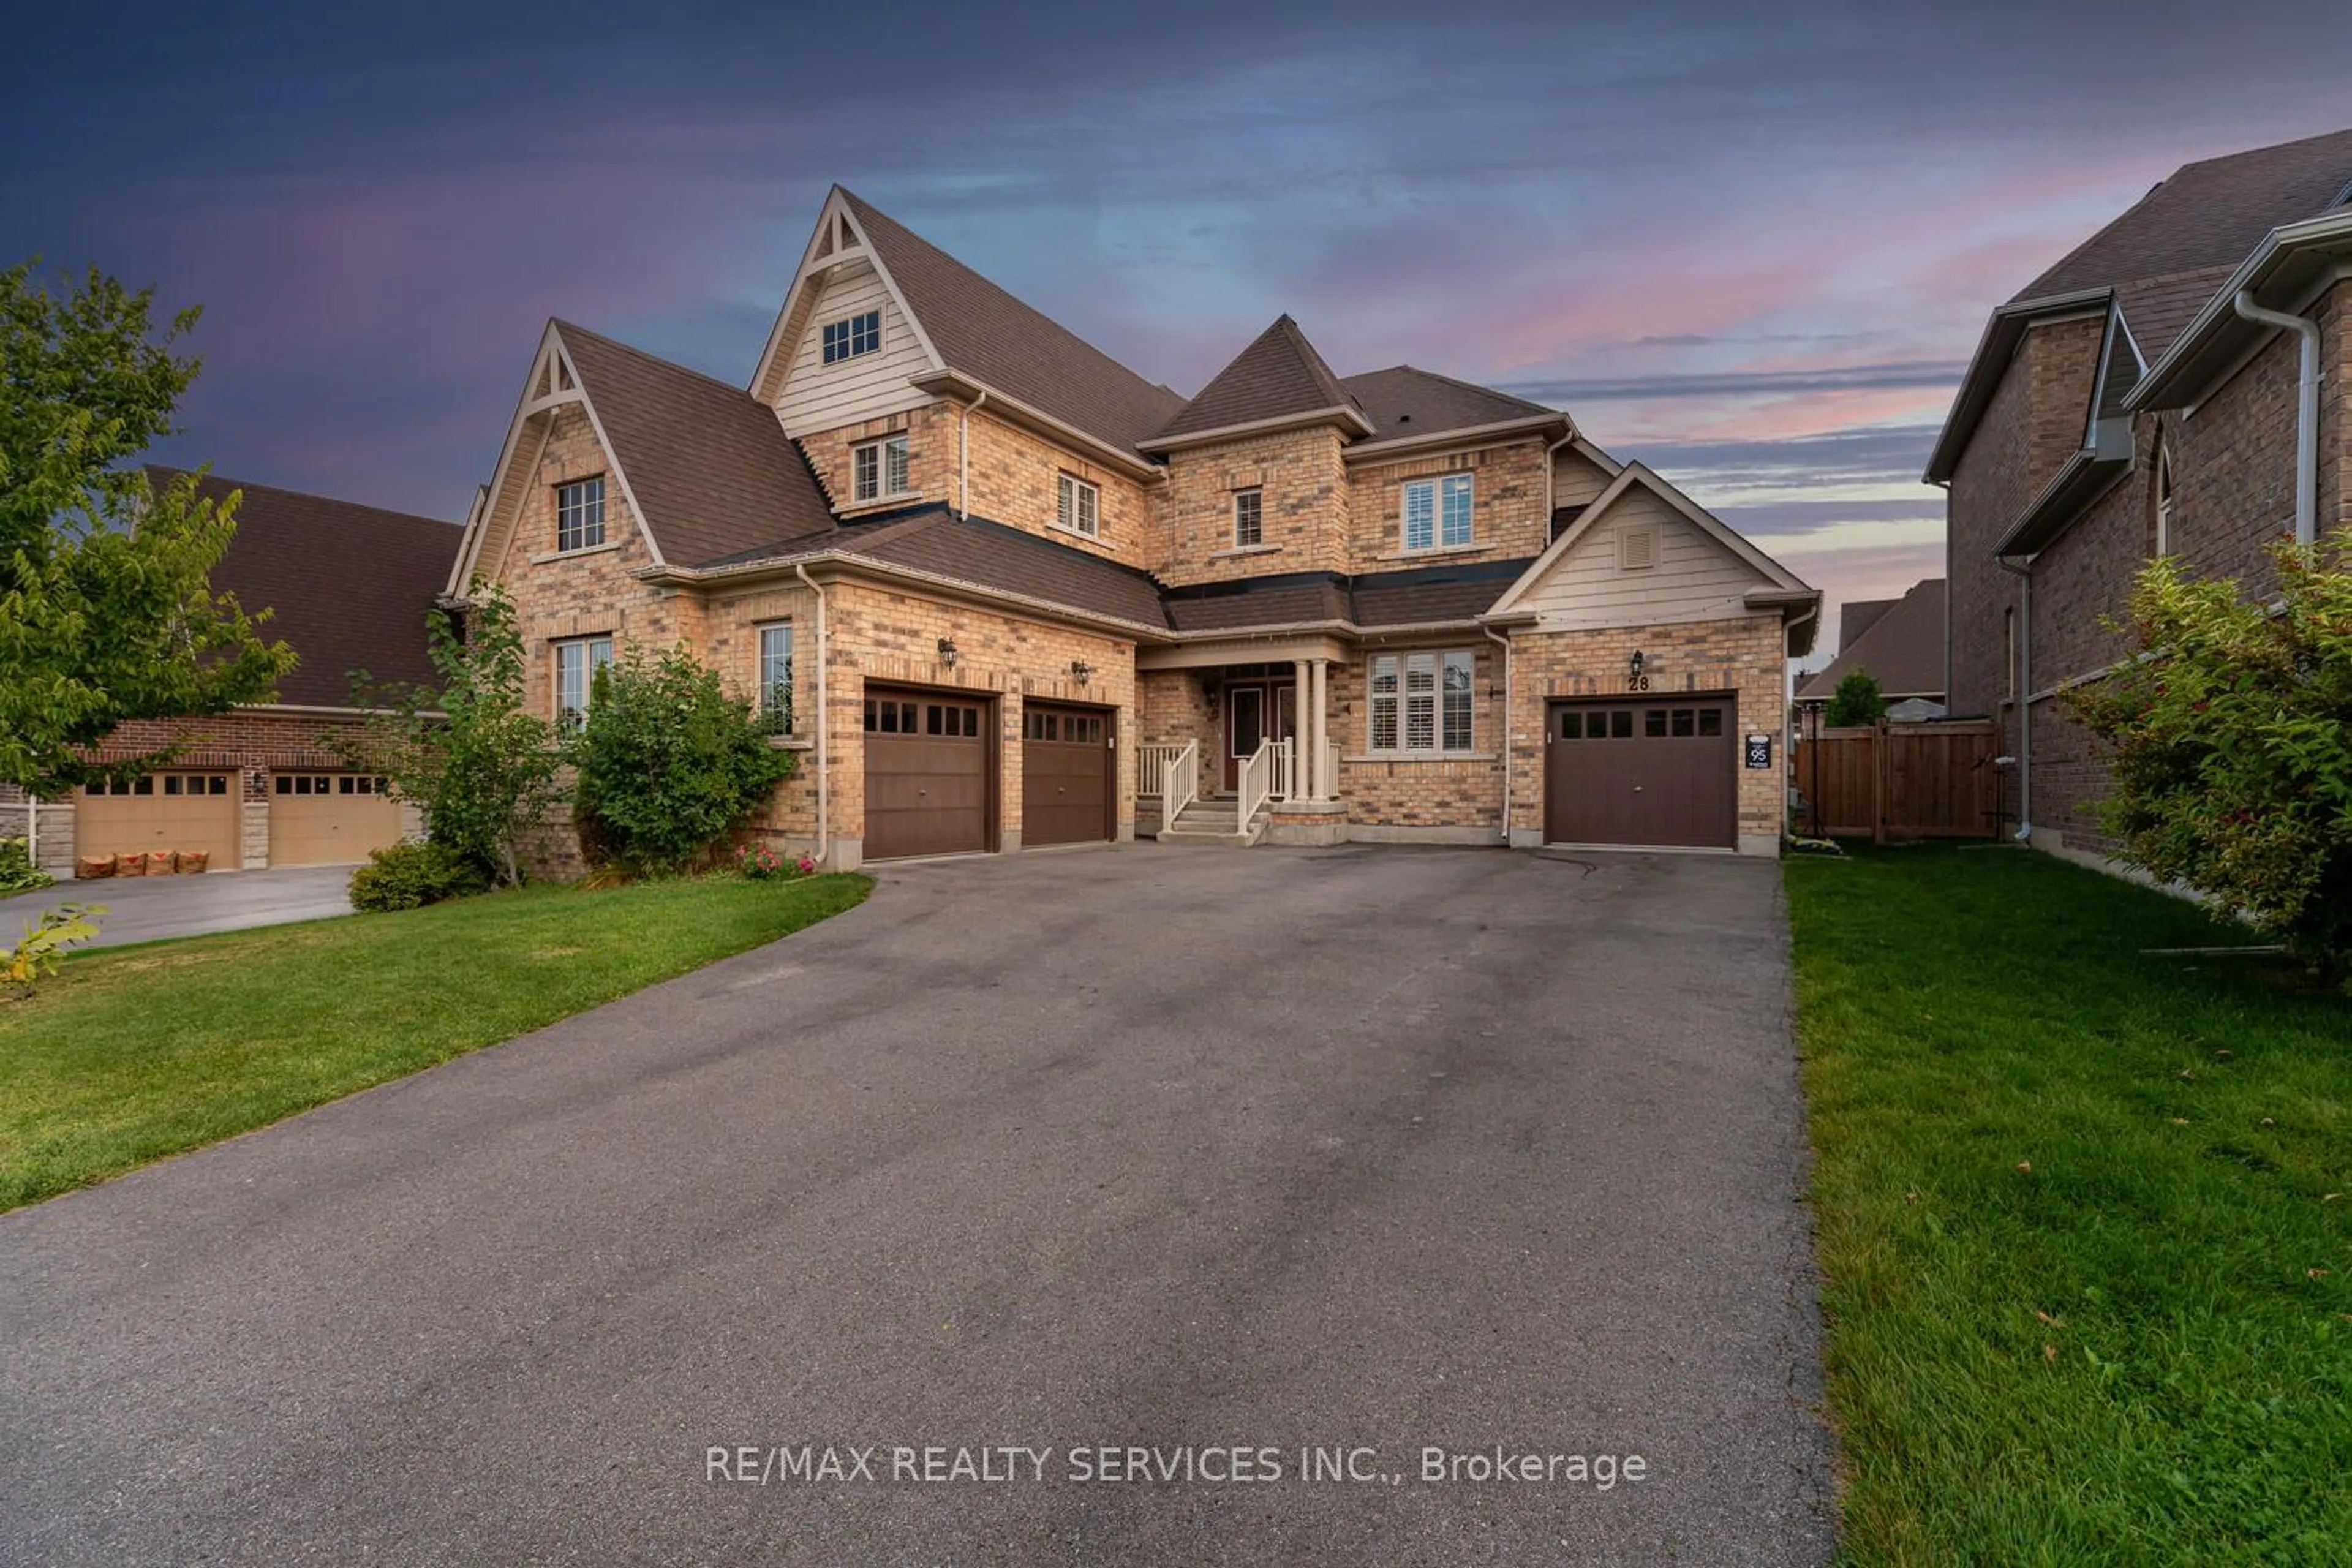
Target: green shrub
1857, 702
2232, 742
17, 872
410, 875
669, 765
35, 957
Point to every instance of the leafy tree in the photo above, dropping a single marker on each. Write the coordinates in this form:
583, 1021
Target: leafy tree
1856, 702
669, 764
2232, 742
105, 613
480, 767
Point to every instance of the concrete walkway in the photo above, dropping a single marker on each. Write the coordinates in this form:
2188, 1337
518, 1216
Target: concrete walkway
1326, 1156
142, 909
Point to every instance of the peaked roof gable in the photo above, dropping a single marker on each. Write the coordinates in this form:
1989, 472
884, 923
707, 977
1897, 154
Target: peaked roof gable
302, 556
970, 326
709, 470
1639, 475
1278, 377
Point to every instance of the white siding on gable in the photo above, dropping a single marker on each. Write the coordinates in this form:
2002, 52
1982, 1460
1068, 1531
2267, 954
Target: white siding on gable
820, 396
1696, 579
1576, 479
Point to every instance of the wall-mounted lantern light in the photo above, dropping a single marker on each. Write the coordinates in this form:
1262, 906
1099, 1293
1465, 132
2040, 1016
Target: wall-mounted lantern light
1080, 670
948, 652
1637, 661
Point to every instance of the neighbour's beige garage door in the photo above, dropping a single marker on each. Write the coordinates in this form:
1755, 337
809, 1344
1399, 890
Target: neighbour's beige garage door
328, 819
177, 811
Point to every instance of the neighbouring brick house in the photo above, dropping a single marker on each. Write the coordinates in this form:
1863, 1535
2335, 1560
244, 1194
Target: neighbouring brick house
350, 588
999, 591
2173, 385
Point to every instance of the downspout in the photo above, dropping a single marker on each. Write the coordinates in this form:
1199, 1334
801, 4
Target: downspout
1510, 748
824, 724
1789, 714
2024, 694
963, 456
2306, 411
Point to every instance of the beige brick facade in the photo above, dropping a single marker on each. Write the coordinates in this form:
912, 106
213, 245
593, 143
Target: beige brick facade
1304, 520
1507, 521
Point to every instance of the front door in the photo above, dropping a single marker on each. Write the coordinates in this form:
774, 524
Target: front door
1255, 713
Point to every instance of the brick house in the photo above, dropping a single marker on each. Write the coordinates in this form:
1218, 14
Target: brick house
350, 588
2175, 385
1001, 591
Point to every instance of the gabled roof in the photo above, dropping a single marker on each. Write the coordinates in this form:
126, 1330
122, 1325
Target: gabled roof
1405, 401
709, 468
1903, 647
350, 586
1279, 378
980, 330
1855, 617
2163, 259
1779, 588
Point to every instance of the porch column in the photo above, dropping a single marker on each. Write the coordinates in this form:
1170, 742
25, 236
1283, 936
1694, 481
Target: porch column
1302, 778
1325, 788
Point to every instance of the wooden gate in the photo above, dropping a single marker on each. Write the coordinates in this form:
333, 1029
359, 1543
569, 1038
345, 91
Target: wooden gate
1902, 781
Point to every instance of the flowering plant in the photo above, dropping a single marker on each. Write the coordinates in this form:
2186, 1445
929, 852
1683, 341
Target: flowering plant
757, 860
805, 867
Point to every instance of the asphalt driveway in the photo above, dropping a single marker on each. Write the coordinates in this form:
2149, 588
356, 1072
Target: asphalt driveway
144, 908
1363, 1151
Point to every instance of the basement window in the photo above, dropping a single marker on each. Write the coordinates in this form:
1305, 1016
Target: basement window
851, 336
580, 514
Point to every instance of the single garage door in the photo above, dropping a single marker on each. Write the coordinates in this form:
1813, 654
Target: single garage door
328, 819
1066, 758
180, 810
1643, 771
927, 774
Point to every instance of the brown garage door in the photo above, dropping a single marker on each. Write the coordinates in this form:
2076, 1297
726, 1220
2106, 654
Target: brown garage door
328, 819
1066, 757
190, 809
1646, 771
927, 774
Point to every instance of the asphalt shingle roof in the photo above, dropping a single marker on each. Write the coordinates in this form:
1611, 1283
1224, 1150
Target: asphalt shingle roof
1278, 376
986, 332
1903, 647
350, 586
1405, 401
707, 462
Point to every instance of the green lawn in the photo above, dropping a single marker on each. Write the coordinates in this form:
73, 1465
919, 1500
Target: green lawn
130, 1054
2085, 1219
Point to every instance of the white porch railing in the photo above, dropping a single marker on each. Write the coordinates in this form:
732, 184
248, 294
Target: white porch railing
1179, 779
1151, 764
1285, 782
1257, 782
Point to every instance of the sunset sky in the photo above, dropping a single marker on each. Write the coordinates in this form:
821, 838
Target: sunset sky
1752, 245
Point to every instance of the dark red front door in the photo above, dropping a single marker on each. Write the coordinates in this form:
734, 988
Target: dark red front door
1255, 713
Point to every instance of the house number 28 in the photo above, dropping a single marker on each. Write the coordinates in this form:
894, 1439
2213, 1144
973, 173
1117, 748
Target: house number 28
1637, 683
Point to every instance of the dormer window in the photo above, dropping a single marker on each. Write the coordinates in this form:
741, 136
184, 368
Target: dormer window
1437, 513
878, 470
851, 336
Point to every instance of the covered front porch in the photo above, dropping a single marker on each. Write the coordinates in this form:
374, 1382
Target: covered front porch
1234, 741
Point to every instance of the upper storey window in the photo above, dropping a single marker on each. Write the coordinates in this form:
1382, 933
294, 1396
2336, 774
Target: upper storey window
851, 336
878, 468
1249, 518
580, 514
1078, 506
1437, 512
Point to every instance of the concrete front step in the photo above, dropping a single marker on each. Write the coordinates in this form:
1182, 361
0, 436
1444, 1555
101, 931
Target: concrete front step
1213, 821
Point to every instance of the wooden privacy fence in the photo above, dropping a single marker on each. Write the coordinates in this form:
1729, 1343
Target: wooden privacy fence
1902, 781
